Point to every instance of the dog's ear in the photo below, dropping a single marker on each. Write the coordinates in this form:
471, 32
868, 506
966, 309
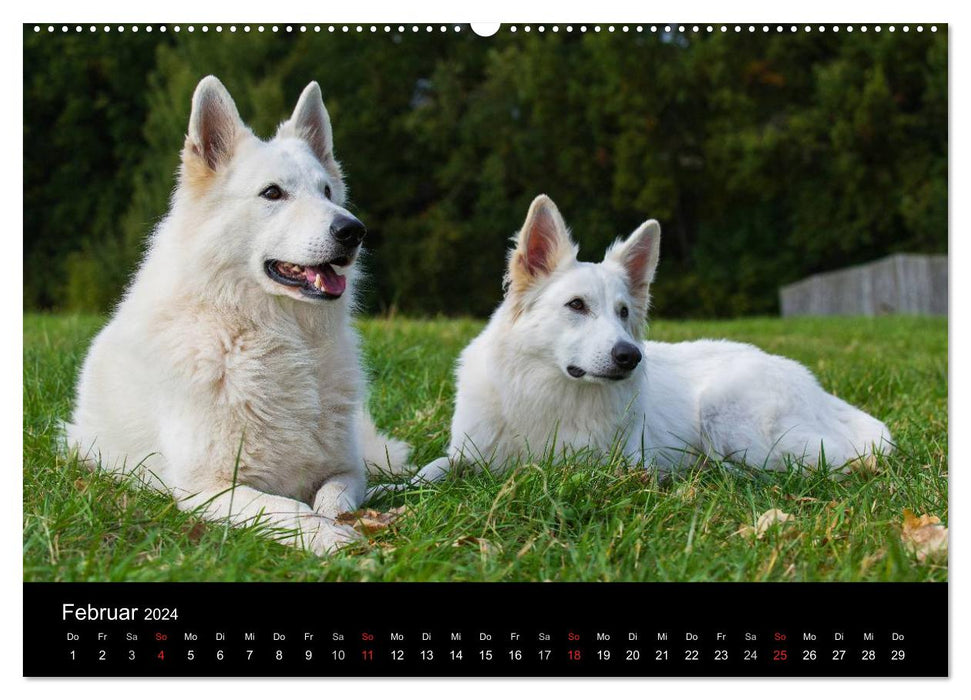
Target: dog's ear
543, 243
311, 122
214, 126
638, 256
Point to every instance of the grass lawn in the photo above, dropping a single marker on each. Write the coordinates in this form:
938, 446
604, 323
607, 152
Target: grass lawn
582, 520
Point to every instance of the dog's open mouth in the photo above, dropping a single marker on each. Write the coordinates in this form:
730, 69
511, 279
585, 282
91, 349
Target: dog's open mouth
577, 373
315, 281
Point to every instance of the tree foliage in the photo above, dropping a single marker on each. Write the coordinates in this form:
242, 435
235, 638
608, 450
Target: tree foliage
766, 157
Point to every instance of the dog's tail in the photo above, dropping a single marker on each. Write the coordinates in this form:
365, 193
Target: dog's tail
383, 455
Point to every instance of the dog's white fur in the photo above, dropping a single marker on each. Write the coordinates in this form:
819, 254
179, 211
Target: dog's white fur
238, 395
516, 396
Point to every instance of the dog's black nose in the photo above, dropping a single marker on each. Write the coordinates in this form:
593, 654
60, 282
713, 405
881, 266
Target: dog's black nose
347, 230
626, 355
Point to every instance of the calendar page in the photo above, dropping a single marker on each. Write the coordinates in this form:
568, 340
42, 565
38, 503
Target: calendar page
536, 349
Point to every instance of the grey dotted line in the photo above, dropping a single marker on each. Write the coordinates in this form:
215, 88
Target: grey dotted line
723, 28
245, 28
428, 28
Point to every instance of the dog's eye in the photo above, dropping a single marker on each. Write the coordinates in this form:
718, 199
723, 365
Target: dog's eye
273, 193
577, 304
624, 313
327, 191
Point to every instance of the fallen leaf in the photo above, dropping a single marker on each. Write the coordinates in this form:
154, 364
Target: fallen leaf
194, 533
864, 465
924, 536
686, 492
765, 521
368, 521
485, 546
801, 499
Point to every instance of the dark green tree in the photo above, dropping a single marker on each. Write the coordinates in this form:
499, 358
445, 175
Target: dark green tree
765, 156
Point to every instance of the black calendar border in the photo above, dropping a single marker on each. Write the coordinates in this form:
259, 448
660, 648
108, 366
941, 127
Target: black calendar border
919, 611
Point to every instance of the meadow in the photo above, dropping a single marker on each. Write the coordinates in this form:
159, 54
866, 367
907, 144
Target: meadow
583, 519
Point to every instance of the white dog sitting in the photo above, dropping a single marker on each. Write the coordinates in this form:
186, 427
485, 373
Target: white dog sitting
230, 374
561, 365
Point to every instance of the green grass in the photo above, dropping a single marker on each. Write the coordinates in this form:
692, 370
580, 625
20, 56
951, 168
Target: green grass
585, 520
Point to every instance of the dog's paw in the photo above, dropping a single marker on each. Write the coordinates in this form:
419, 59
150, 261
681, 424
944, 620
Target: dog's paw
323, 536
331, 536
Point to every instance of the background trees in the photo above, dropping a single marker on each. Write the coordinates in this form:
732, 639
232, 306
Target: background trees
766, 157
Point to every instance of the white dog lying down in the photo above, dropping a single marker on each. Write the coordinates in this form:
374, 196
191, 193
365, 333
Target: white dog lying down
561, 364
229, 375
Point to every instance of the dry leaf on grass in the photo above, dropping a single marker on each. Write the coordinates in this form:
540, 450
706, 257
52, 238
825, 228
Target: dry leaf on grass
924, 536
368, 521
686, 492
863, 465
765, 521
485, 546
801, 499
194, 532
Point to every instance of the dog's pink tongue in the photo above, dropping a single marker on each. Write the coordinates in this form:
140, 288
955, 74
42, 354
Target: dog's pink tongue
333, 283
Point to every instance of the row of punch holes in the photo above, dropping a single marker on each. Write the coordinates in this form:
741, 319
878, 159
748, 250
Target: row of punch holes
346, 28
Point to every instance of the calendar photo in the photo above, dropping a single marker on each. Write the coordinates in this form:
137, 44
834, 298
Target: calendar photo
571, 303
